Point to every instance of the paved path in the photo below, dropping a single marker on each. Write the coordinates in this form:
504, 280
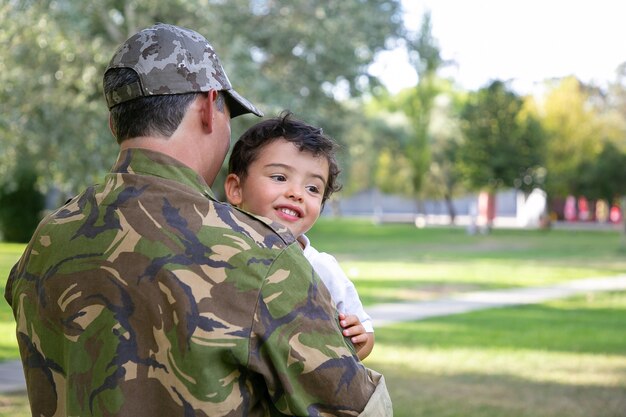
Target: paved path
385, 314
12, 378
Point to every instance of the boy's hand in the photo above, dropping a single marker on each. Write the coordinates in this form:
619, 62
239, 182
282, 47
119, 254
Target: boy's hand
353, 329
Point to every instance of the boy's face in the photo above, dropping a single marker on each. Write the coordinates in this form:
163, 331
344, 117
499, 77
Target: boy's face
282, 184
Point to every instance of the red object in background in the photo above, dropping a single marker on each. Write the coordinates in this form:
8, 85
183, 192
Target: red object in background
569, 211
615, 215
486, 207
583, 209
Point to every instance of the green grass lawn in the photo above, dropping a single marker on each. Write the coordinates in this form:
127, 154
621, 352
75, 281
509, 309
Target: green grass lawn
398, 262
562, 358
9, 254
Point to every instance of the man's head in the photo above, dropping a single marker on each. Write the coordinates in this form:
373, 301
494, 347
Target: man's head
305, 137
154, 76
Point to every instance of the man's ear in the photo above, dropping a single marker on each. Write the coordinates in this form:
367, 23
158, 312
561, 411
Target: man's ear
232, 187
111, 126
207, 110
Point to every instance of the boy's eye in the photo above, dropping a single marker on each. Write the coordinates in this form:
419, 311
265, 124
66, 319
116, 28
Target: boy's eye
313, 189
278, 177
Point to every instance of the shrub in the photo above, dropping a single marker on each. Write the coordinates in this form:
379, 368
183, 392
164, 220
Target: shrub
21, 205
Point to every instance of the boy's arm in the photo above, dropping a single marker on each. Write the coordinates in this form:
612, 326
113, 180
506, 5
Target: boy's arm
357, 323
353, 329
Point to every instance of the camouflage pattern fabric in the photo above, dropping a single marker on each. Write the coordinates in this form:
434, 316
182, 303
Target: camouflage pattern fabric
144, 296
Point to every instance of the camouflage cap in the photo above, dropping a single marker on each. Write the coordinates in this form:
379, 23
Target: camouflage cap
173, 60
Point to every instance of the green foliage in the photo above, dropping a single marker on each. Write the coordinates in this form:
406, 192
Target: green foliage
300, 55
50, 75
296, 55
21, 205
503, 143
393, 174
443, 179
425, 56
574, 135
605, 177
424, 51
403, 165
374, 150
281, 54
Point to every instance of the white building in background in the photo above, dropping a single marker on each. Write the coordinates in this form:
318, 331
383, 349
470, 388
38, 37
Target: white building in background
532, 210
512, 208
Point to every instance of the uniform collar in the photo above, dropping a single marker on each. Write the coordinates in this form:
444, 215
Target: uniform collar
147, 162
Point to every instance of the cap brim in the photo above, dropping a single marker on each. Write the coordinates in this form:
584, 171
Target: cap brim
240, 105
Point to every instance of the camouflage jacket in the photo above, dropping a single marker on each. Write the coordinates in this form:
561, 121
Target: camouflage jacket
144, 296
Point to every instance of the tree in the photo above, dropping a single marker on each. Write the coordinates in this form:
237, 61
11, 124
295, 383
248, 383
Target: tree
574, 132
617, 111
605, 177
425, 56
504, 143
21, 205
377, 135
282, 54
443, 178
50, 75
617, 96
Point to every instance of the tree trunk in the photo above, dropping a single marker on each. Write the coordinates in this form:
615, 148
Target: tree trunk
450, 206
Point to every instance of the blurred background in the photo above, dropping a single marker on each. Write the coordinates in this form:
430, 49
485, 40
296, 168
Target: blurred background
445, 105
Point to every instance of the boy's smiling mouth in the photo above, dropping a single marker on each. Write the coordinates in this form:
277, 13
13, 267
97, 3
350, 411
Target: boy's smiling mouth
291, 212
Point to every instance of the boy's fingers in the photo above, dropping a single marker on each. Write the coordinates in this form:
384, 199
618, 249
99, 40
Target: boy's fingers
354, 330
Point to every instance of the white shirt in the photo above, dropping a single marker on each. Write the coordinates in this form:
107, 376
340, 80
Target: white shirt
341, 289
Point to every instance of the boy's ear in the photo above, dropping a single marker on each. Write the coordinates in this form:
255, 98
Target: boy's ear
232, 187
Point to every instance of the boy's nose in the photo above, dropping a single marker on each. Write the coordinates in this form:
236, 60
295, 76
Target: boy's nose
295, 194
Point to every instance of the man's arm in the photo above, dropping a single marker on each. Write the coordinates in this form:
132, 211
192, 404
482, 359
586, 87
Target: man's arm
356, 323
308, 366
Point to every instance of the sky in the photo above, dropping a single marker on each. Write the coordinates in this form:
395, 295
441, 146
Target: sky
522, 41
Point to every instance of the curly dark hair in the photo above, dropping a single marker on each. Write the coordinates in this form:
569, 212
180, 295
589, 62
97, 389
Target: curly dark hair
307, 138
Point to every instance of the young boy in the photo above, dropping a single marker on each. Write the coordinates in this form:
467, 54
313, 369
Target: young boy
285, 170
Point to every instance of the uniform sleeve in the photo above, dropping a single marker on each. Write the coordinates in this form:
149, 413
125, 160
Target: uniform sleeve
342, 290
297, 347
8, 290
379, 403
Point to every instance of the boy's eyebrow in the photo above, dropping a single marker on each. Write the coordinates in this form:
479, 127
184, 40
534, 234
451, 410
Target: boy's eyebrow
279, 165
290, 168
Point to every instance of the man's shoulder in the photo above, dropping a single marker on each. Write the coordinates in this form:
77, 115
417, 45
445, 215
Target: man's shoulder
157, 206
263, 231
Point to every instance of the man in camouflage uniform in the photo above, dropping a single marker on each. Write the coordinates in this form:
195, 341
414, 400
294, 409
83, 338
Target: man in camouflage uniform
145, 296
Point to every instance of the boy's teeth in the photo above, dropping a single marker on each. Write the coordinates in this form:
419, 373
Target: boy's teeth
289, 212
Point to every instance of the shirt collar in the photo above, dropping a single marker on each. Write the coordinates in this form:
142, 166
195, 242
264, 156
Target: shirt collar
147, 162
